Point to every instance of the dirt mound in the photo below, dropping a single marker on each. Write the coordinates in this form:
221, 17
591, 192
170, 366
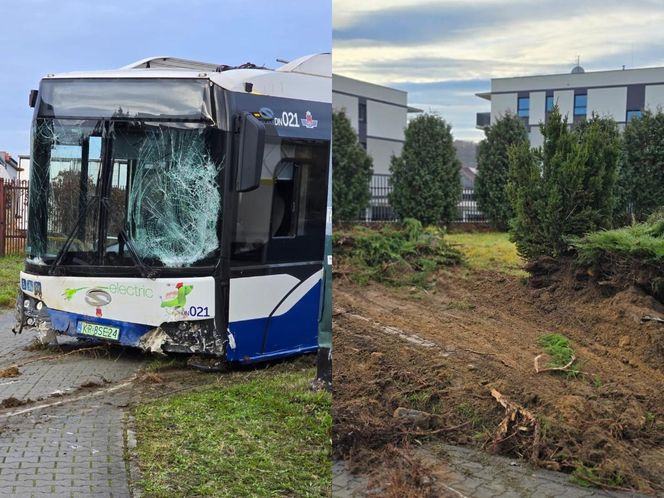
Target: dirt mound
610, 312
442, 351
12, 402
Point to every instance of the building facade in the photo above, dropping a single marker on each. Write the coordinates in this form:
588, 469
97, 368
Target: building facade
620, 95
9, 167
377, 113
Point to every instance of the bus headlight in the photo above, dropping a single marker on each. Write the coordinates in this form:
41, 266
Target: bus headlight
26, 304
39, 306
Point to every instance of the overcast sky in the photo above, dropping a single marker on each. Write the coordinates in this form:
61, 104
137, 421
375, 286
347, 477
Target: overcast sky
443, 52
50, 36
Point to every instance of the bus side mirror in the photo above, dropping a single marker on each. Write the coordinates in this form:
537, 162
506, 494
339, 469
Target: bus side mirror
249, 152
32, 99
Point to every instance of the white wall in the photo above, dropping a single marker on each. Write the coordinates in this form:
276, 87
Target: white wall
387, 121
347, 103
24, 163
381, 151
365, 89
608, 102
589, 79
501, 104
537, 108
565, 102
536, 138
654, 97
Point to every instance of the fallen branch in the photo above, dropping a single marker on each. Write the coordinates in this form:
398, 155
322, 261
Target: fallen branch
564, 368
58, 356
513, 422
604, 485
648, 318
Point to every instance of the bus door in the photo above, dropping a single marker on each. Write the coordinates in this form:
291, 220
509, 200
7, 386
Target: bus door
277, 252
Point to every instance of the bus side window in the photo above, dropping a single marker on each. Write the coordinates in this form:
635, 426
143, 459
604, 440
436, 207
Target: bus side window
285, 199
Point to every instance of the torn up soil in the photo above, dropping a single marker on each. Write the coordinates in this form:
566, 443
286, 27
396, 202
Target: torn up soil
12, 402
414, 365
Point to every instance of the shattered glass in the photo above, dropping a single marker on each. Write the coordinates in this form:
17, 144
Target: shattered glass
155, 201
63, 187
174, 201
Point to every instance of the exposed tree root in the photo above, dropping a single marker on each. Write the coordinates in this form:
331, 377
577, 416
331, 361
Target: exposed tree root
564, 368
517, 421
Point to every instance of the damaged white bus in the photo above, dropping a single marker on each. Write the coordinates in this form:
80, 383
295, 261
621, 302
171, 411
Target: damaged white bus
180, 206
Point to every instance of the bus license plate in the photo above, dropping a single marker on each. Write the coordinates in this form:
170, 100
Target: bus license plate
101, 331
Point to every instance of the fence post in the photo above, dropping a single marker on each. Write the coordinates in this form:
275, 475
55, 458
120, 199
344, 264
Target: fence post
3, 217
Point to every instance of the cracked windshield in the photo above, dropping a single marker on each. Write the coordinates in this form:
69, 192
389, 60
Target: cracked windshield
120, 193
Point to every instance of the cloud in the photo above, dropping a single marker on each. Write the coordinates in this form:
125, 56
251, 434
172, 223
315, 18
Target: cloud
438, 21
444, 52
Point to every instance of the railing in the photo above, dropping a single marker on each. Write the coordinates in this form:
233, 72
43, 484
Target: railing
379, 208
14, 217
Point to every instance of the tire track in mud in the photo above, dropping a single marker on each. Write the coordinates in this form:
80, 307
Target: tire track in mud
395, 348
394, 331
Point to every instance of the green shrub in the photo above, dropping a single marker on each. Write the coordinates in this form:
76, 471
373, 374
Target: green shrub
493, 168
426, 179
352, 168
396, 254
641, 180
559, 349
566, 187
628, 255
642, 242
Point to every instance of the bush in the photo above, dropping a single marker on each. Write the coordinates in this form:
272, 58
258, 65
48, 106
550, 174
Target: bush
352, 169
643, 242
566, 187
426, 180
493, 168
396, 254
641, 181
629, 255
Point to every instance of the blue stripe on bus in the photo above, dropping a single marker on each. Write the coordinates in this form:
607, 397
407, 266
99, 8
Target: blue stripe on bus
294, 332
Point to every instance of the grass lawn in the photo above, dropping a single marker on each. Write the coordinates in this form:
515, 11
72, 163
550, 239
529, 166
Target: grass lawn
488, 251
258, 433
10, 266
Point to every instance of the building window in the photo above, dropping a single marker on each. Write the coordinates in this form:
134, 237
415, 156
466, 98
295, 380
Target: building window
580, 104
523, 107
549, 103
631, 114
362, 113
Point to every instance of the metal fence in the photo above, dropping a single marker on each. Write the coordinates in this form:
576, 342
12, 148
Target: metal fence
14, 216
380, 210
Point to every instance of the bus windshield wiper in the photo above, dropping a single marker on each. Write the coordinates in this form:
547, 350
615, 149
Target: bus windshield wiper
146, 271
65, 247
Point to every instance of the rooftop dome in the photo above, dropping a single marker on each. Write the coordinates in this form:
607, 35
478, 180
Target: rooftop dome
578, 70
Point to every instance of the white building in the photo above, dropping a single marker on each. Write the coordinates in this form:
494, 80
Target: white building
23, 167
9, 168
620, 95
377, 113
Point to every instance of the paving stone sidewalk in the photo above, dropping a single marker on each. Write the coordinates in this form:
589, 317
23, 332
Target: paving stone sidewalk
471, 473
74, 449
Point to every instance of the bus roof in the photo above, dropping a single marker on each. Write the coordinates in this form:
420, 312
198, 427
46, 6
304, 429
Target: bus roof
306, 78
